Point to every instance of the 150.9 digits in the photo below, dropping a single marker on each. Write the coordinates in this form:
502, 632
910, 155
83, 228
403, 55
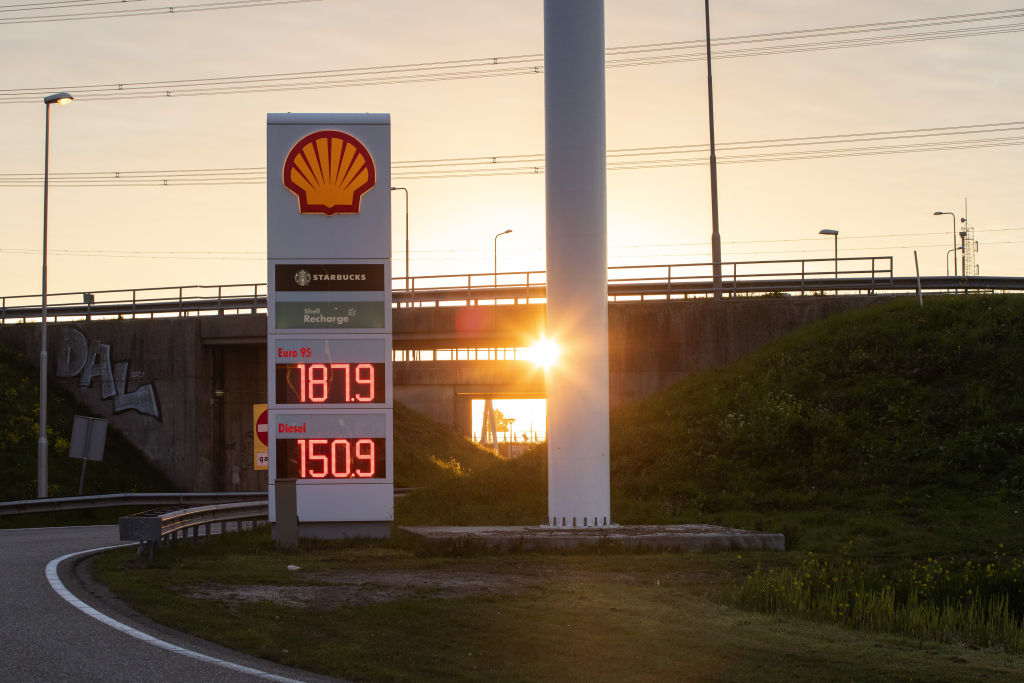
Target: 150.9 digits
331, 458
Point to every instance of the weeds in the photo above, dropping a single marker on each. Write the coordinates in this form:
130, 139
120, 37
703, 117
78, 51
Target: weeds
971, 603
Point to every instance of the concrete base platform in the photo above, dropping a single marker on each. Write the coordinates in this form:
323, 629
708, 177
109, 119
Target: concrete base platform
679, 537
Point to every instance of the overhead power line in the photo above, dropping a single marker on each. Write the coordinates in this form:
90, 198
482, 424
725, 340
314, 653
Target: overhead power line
753, 45
44, 12
1001, 134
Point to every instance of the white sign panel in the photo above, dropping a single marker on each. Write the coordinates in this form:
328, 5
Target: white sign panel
334, 171
329, 320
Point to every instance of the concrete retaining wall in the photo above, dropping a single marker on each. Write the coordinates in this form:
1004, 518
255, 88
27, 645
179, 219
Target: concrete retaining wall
180, 389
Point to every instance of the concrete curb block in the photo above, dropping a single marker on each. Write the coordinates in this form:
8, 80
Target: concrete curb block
679, 537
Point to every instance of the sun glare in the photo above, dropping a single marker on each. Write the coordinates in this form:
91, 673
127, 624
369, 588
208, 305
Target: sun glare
544, 352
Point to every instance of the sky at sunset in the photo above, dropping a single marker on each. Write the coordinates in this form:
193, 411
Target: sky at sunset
866, 130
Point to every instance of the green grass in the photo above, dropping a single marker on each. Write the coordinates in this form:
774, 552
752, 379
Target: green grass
971, 603
594, 616
429, 453
887, 441
123, 469
894, 424
889, 408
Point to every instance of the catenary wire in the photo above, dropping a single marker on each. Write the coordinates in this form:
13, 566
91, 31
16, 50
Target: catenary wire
461, 69
974, 136
143, 11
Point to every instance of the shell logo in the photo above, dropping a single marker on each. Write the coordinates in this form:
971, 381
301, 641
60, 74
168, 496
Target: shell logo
329, 171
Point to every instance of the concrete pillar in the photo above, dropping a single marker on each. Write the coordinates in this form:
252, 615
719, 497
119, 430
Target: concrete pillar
577, 263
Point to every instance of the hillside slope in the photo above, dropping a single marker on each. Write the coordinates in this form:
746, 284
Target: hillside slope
872, 407
892, 407
427, 452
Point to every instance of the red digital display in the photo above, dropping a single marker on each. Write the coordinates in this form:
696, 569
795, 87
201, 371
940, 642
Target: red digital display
348, 458
330, 383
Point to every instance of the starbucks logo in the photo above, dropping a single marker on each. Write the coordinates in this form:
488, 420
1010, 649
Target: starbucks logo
302, 277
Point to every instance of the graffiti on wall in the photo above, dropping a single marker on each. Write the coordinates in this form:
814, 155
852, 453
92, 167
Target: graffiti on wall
78, 357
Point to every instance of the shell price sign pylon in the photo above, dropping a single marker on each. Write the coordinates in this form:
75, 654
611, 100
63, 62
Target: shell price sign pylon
329, 370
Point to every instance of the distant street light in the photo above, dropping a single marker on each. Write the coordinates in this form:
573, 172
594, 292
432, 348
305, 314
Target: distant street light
42, 480
948, 252
496, 262
393, 189
963, 256
835, 235
949, 213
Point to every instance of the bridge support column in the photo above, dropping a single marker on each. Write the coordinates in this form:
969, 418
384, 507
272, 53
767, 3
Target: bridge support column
577, 265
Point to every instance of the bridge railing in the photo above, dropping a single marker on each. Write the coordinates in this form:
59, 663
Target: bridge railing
861, 274
665, 280
130, 303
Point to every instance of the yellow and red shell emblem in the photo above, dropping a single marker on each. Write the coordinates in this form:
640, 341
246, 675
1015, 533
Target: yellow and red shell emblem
329, 171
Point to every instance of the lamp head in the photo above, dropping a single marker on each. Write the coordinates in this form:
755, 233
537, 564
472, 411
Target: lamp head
938, 213
59, 98
828, 231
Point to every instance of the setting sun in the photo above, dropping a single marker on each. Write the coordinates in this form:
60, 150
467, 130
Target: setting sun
544, 352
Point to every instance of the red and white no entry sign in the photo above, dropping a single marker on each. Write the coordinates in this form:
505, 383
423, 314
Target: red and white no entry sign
262, 427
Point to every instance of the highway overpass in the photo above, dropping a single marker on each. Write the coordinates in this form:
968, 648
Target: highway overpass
182, 388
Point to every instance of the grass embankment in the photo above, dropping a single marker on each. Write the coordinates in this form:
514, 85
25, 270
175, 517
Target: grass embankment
123, 469
385, 612
885, 441
428, 453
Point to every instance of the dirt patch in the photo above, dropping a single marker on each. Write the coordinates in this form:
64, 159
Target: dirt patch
368, 587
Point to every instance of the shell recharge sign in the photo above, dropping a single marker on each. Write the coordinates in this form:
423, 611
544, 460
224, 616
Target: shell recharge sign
329, 370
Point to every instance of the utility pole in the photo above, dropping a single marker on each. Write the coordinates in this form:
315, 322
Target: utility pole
716, 239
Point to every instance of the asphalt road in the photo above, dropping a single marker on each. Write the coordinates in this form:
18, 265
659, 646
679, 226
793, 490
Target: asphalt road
46, 638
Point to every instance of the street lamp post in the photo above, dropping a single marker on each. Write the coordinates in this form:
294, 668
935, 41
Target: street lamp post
948, 252
42, 479
496, 262
393, 189
716, 238
949, 213
835, 235
963, 256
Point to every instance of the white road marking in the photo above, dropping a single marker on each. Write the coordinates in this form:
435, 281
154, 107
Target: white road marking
62, 591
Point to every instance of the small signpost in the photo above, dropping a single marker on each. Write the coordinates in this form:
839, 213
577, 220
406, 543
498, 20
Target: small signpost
88, 436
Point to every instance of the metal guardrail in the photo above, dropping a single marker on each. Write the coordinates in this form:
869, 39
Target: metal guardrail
154, 526
870, 274
19, 507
